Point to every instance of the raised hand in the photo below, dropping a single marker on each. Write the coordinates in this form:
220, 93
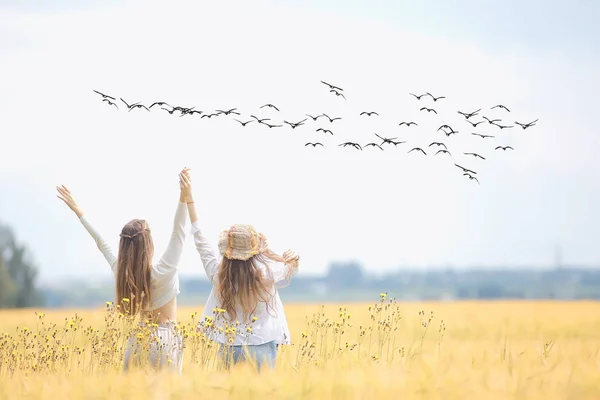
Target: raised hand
290, 257
185, 186
66, 196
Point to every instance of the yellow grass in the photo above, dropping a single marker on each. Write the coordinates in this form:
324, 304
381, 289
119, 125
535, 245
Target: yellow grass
491, 350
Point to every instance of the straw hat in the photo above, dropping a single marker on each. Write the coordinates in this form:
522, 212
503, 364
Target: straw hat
240, 242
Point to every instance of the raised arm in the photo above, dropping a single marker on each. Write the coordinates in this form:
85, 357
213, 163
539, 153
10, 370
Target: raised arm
289, 267
207, 254
172, 255
66, 196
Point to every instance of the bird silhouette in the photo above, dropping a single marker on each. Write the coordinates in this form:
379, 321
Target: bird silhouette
314, 144
329, 118
192, 112
525, 126
272, 126
105, 96
294, 125
451, 132
260, 121
475, 123
418, 149
209, 116
445, 127
138, 106
368, 113
395, 143
110, 103
408, 123
324, 130
500, 106
373, 145
338, 93
171, 111
243, 123
435, 98
482, 136
469, 115
471, 177
491, 121
128, 106
314, 118
160, 104
386, 140
227, 112
428, 109
503, 126
355, 145
504, 148
332, 86
443, 151
438, 144
466, 170
418, 97
270, 106
474, 155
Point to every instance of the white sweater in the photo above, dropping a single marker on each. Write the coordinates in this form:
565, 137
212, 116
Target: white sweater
165, 278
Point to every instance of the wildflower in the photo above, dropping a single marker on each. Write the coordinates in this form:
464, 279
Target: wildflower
304, 335
248, 329
255, 318
126, 300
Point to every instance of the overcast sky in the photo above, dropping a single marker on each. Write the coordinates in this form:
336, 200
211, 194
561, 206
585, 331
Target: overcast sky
386, 209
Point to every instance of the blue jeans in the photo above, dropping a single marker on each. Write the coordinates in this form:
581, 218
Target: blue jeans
259, 354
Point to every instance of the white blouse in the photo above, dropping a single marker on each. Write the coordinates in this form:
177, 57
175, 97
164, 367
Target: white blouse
165, 278
269, 325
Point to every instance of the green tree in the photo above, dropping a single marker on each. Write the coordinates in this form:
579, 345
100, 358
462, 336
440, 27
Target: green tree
17, 273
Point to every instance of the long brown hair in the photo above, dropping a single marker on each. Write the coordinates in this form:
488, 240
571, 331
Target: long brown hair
134, 266
243, 283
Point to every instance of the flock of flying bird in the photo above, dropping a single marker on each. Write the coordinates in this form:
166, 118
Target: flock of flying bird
337, 91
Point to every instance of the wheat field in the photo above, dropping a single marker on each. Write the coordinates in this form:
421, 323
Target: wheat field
453, 350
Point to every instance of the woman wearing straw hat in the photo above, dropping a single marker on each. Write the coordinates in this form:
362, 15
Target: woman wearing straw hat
244, 290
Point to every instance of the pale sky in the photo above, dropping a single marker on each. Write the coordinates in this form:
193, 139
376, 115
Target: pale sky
386, 209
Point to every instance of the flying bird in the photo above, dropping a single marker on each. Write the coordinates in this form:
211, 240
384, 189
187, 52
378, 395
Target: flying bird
138, 106
443, 152
395, 143
418, 149
500, 106
128, 106
435, 98
503, 126
192, 112
110, 103
105, 96
324, 130
475, 123
329, 118
474, 155
386, 140
491, 121
270, 106
469, 115
428, 109
418, 97
160, 104
408, 123
294, 125
314, 118
272, 126
438, 144
374, 145
171, 111
355, 145
482, 136
466, 170
471, 177
445, 127
504, 148
243, 123
338, 93
227, 112
260, 121
313, 144
368, 113
209, 116
332, 86
525, 126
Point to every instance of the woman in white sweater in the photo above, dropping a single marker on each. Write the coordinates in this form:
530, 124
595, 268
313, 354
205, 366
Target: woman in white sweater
145, 288
244, 291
